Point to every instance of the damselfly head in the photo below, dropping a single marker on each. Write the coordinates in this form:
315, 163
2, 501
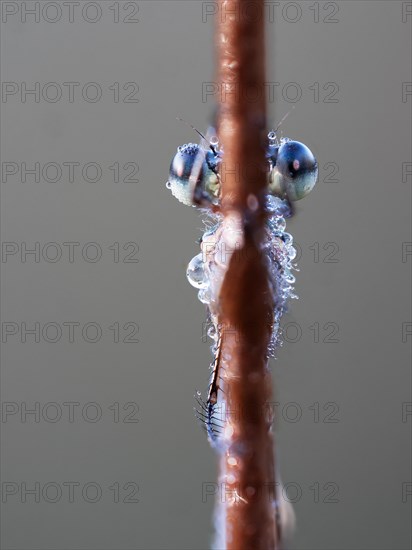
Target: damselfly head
194, 171
293, 169
193, 175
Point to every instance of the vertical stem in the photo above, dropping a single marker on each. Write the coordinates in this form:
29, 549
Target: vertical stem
246, 302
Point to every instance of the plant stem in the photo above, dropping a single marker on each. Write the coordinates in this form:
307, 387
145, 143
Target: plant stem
246, 301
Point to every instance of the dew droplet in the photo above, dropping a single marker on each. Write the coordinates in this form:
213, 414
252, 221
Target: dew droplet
252, 202
289, 278
204, 295
214, 141
292, 252
272, 138
271, 203
232, 461
195, 272
211, 332
280, 224
231, 479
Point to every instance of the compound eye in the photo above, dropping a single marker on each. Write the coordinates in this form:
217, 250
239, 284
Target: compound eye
182, 163
180, 171
297, 168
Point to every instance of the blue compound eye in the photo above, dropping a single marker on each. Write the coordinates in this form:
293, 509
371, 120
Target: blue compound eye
180, 170
193, 176
296, 170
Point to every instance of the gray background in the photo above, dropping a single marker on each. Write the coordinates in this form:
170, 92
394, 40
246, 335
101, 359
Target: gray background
362, 381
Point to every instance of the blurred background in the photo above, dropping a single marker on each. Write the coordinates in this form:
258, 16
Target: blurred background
103, 339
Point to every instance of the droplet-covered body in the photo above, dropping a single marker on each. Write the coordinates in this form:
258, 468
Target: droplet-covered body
194, 180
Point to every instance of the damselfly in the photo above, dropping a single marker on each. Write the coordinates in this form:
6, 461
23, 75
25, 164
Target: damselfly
195, 180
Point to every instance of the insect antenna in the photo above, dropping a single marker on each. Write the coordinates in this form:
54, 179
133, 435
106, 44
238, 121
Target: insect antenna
213, 147
283, 119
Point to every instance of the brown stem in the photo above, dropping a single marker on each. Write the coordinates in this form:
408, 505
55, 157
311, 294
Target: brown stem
246, 302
